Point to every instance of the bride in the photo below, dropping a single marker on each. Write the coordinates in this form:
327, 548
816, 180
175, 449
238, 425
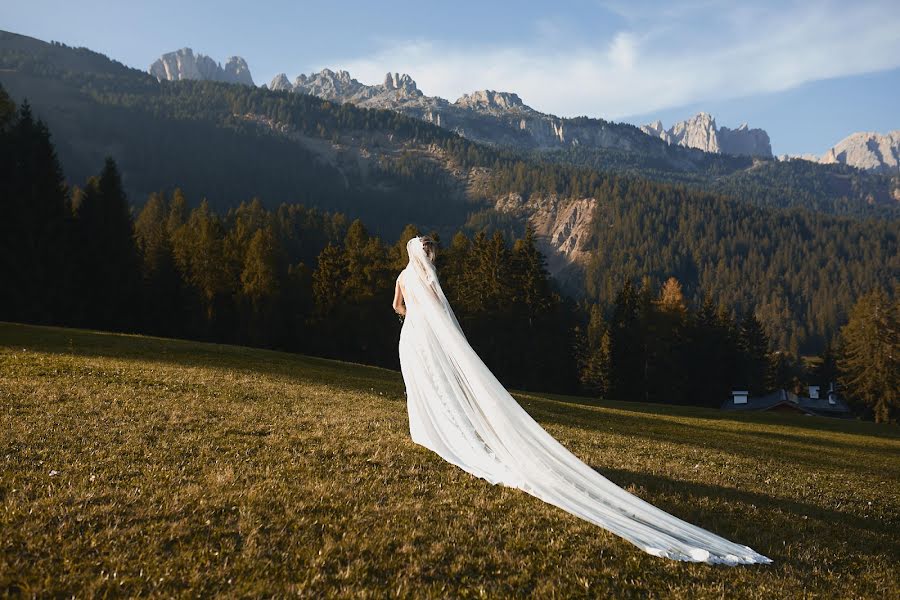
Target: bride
459, 410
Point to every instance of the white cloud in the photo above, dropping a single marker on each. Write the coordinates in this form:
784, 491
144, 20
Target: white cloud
623, 51
702, 52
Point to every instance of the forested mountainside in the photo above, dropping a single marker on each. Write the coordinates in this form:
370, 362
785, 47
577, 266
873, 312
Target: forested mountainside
800, 268
827, 188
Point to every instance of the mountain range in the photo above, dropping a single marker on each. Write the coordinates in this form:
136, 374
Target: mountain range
503, 119
486, 116
868, 151
701, 132
183, 64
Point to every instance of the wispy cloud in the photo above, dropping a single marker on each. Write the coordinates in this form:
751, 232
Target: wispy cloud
692, 52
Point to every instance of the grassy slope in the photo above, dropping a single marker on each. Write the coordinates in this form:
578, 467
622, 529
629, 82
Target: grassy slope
148, 466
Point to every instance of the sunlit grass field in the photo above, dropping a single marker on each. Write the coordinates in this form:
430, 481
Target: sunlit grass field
137, 466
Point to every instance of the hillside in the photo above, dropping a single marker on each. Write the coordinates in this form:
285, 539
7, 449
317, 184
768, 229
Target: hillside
138, 466
230, 143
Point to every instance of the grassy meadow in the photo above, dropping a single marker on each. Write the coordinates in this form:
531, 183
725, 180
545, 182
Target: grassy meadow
139, 466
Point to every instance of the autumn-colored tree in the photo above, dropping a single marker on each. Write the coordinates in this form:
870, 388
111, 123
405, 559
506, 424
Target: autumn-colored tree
162, 290
869, 359
199, 252
261, 288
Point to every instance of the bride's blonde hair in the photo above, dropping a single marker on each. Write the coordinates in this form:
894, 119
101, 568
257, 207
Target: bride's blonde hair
429, 246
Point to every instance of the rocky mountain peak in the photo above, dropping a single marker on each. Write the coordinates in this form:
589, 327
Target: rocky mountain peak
701, 131
395, 81
491, 101
402, 85
184, 64
869, 151
236, 68
654, 129
280, 83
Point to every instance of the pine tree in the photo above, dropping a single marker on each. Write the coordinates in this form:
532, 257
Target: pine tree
7, 111
671, 299
596, 374
178, 212
665, 377
108, 266
34, 230
531, 277
825, 373
754, 348
328, 281
869, 360
627, 346
241, 224
261, 288
200, 256
453, 266
162, 310
782, 372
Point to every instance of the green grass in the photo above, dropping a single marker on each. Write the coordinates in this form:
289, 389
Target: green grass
150, 467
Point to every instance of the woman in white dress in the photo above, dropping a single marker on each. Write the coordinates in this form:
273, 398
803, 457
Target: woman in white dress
459, 410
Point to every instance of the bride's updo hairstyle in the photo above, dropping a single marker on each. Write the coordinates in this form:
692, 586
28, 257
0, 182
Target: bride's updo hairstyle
430, 247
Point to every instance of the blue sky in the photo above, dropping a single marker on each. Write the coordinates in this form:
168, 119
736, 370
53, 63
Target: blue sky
809, 73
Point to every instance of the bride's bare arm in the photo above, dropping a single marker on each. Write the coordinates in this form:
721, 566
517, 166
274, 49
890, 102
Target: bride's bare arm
399, 307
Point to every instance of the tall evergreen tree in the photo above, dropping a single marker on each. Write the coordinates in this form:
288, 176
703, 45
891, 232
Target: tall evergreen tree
199, 253
665, 377
531, 278
596, 370
870, 356
783, 372
163, 295
261, 289
34, 240
108, 266
754, 347
709, 357
626, 332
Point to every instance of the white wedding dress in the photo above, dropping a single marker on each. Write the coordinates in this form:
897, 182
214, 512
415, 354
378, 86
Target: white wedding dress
458, 409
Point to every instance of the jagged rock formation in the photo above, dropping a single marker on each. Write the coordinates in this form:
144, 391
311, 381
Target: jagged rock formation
237, 71
562, 228
874, 152
865, 150
183, 64
700, 132
491, 102
487, 116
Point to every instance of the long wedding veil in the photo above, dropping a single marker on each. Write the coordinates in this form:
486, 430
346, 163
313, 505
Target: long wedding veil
489, 435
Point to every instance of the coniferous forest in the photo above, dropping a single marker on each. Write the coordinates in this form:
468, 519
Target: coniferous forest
657, 323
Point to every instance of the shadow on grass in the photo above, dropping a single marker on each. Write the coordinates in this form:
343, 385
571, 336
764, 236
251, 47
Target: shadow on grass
788, 521
751, 442
188, 353
815, 423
